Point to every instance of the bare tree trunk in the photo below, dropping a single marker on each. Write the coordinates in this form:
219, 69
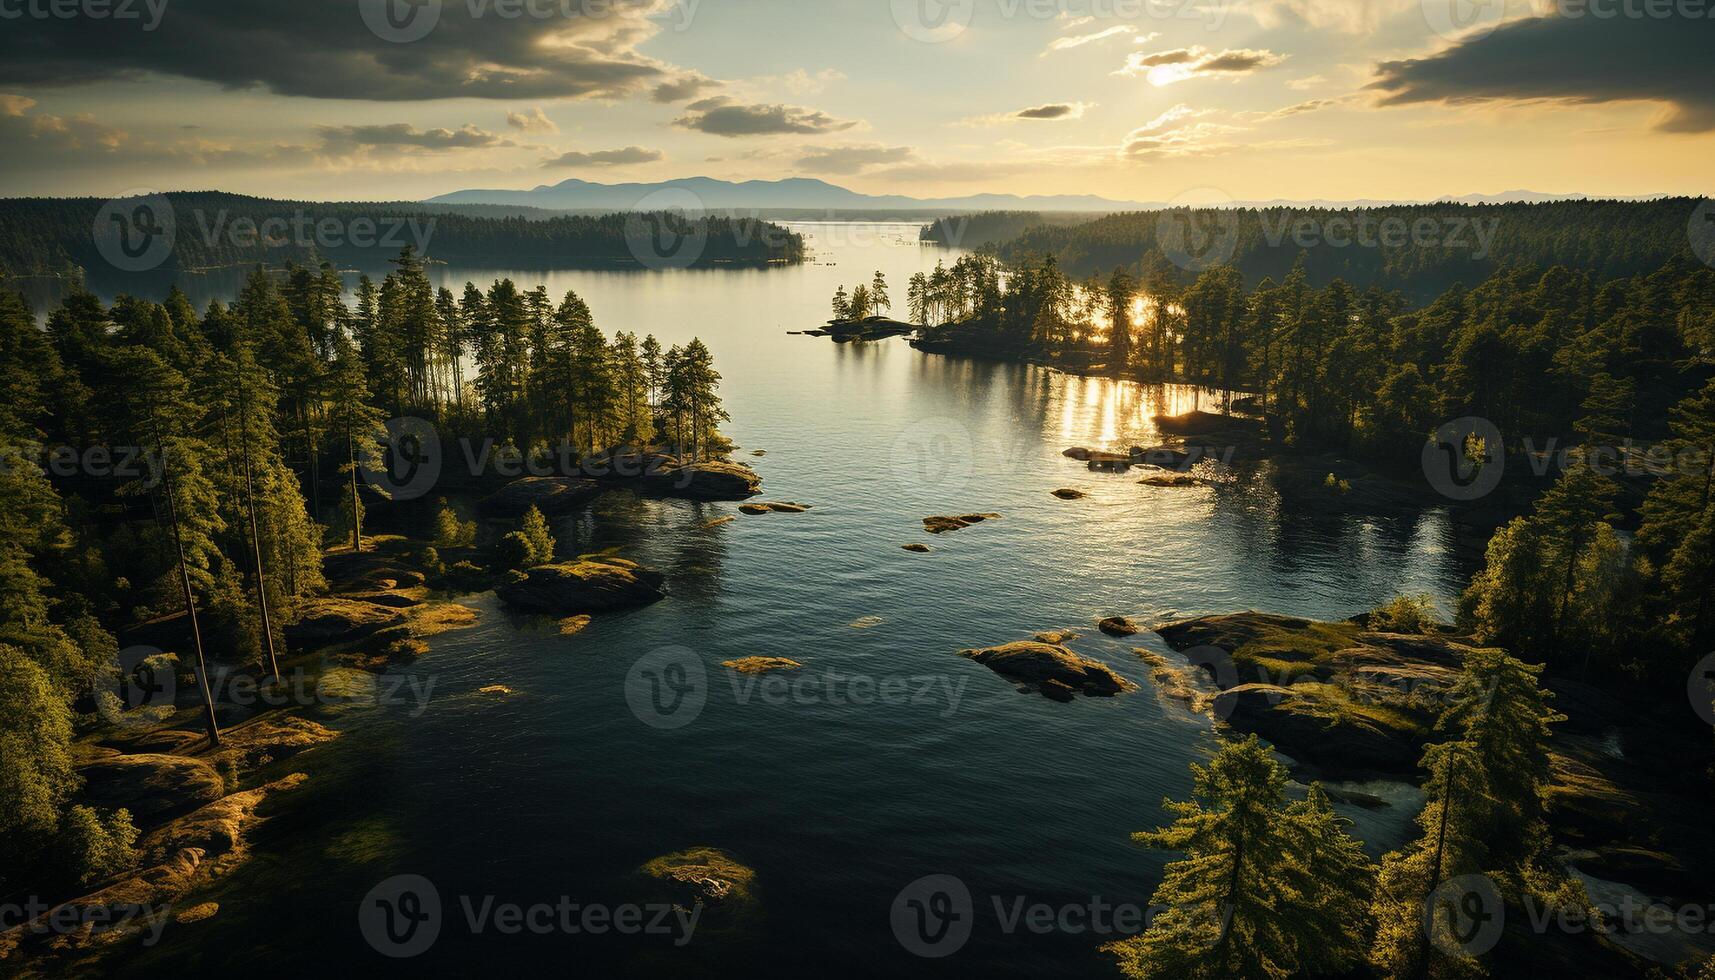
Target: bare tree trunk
190, 601
273, 663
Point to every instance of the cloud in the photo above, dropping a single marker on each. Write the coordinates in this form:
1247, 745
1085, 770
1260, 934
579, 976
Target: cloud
1569, 59
853, 158
723, 116
404, 135
324, 49
682, 88
1347, 16
1180, 64
40, 146
534, 121
1179, 131
1053, 110
1307, 82
1079, 40
606, 158
799, 82
15, 105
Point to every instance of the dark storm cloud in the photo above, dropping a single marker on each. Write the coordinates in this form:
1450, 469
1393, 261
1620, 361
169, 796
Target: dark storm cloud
722, 116
1573, 58
325, 49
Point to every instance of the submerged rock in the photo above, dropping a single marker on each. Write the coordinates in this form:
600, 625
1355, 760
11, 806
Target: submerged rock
943, 524
1067, 493
773, 507
703, 875
1052, 670
921, 549
761, 665
583, 586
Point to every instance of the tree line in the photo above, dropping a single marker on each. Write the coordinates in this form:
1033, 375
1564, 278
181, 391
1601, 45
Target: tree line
158, 461
216, 230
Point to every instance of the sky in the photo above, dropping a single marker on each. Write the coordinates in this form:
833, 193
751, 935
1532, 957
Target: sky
1141, 100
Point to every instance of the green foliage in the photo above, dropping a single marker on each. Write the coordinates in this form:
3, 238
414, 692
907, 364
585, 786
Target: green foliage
36, 773
1404, 614
1265, 889
99, 845
514, 552
537, 536
450, 532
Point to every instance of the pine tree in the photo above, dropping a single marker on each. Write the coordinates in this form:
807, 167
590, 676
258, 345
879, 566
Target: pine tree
537, 536
361, 426
1251, 898
878, 298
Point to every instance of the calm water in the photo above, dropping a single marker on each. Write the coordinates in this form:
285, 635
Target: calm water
836, 800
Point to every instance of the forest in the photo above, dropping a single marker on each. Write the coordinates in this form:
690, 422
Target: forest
51, 236
1607, 239
1615, 369
217, 463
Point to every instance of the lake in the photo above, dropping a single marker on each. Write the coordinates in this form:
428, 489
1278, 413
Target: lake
890, 758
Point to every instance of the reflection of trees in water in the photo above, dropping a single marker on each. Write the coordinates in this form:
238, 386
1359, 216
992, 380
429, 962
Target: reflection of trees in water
671, 536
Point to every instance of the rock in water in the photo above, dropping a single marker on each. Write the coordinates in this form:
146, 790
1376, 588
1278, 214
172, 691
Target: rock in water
1118, 626
703, 875
921, 549
549, 494
1067, 493
713, 480
1050, 669
584, 586
761, 665
941, 525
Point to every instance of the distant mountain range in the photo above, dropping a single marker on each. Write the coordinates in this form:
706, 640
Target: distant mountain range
809, 194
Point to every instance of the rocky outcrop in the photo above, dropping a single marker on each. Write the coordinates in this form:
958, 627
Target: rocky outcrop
155, 788
550, 494
943, 524
1118, 626
712, 480
773, 507
585, 586
326, 620
1051, 670
703, 875
921, 549
1068, 493
1173, 480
